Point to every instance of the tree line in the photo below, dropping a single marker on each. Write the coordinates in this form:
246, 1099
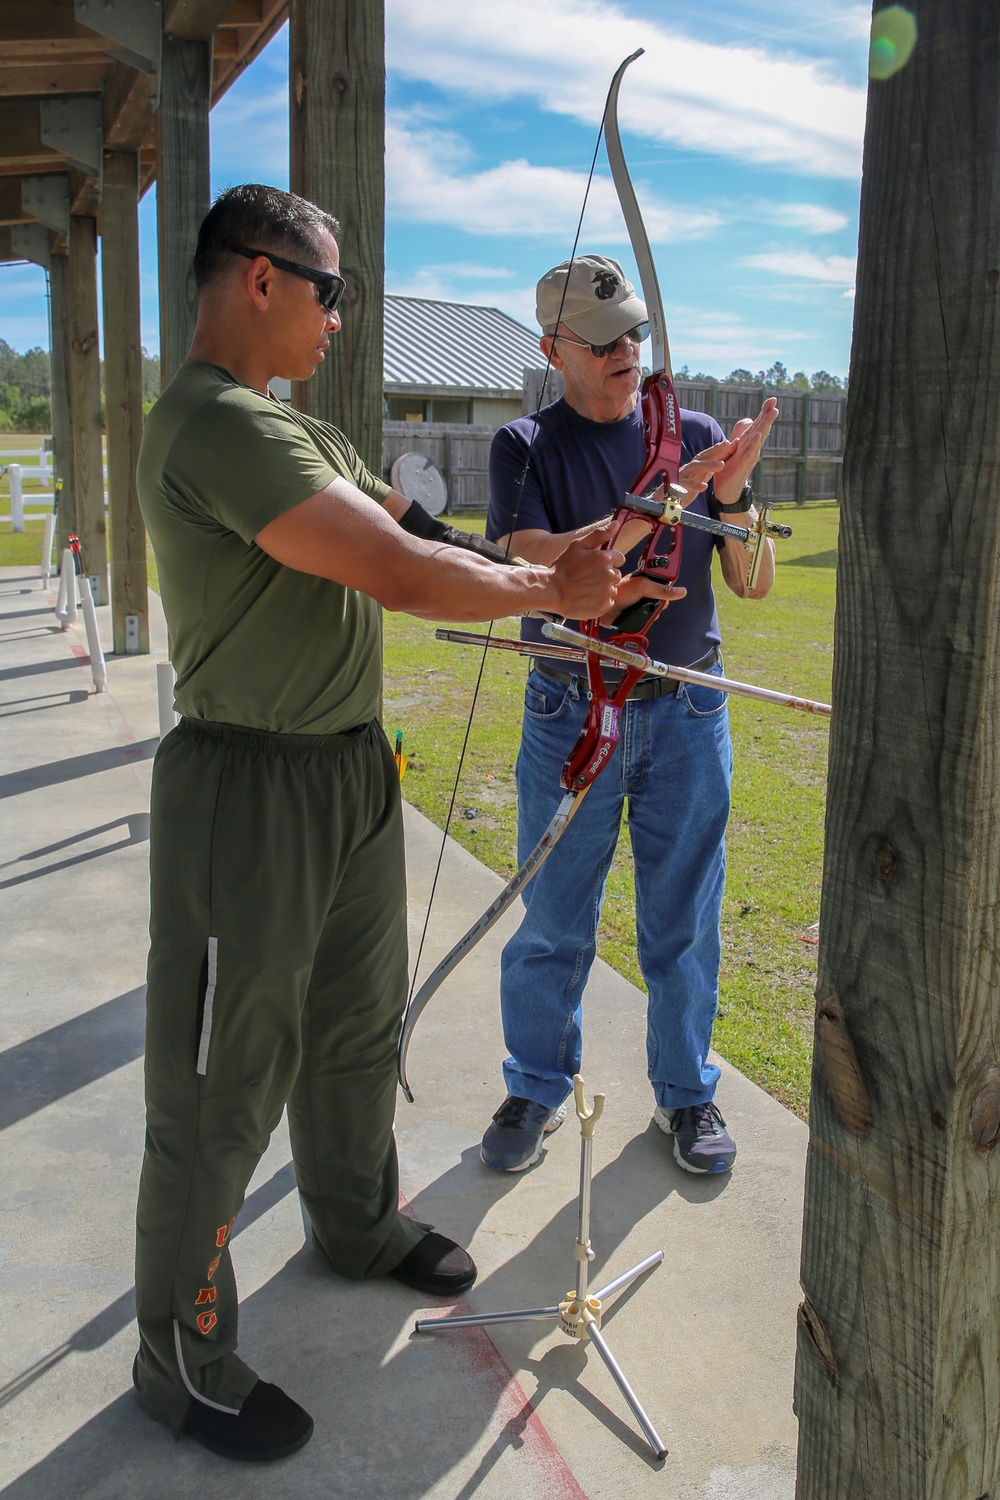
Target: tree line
26, 388
776, 378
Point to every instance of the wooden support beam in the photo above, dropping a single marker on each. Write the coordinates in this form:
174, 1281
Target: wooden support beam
337, 107
59, 322
59, 76
21, 143
128, 111
123, 398
182, 189
85, 401
193, 20
31, 26
11, 211
897, 1376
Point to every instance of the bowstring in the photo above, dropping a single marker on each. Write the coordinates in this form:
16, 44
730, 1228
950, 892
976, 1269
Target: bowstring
510, 537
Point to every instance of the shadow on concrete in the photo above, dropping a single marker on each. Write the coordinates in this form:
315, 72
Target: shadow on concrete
35, 669
138, 833
119, 1314
57, 1062
32, 778
23, 614
378, 1406
60, 700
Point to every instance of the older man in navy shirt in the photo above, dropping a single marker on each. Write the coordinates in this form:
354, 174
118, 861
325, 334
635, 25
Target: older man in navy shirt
551, 477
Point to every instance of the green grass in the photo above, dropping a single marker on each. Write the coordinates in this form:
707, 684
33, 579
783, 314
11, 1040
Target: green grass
776, 828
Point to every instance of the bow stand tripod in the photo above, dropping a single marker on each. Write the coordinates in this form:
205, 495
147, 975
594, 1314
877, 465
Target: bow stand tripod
579, 1313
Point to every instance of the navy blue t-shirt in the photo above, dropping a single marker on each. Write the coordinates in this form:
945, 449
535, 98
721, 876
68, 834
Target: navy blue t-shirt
578, 472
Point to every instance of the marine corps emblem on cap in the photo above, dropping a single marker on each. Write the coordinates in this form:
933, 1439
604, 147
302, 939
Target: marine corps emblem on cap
599, 305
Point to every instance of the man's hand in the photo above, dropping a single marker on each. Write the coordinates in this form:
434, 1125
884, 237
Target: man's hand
744, 450
633, 588
587, 577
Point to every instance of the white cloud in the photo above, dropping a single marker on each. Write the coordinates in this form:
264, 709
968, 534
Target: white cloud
442, 283
250, 136
741, 102
800, 265
719, 340
812, 218
425, 182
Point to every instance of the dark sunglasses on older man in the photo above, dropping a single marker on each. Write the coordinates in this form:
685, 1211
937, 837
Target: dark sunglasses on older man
601, 351
331, 287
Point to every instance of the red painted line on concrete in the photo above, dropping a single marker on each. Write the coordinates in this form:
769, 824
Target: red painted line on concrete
510, 1418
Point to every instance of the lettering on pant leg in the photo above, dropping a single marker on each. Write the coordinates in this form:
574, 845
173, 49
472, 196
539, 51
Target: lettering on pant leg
206, 1294
213, 1268
206, 1321
222, 1235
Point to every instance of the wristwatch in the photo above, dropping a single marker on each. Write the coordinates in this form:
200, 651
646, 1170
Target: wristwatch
741, 503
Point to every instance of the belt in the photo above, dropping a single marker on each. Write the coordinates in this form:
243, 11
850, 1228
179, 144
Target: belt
646, 687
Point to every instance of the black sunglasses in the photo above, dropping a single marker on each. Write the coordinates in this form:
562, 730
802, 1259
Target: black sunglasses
331, 286
601, 351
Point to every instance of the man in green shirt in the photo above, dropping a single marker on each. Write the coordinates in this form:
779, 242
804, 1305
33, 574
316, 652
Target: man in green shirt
277, 965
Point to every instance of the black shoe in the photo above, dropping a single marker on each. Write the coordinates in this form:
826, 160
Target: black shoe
268, 1425
437, 1266
513, 1141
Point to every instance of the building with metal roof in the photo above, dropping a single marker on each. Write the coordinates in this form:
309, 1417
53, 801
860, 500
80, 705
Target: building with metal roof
452, 362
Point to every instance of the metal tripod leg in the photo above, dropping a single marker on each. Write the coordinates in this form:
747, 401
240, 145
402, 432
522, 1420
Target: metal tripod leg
472, 1320
600, 1344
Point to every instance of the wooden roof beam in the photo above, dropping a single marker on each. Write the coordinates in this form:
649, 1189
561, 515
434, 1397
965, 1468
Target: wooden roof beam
193, 20
21, 145
60, 76
44, 26
11, 211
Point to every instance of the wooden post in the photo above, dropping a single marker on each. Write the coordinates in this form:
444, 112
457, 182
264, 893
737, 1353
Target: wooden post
182, 189
803, 476
86, 458
59, 364
337, 110
123, 398
897, 1376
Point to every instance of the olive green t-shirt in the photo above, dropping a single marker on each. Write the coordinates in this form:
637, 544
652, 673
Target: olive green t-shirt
252, 642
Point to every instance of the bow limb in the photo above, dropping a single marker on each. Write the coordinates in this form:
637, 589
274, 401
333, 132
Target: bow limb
568, 805
633, 222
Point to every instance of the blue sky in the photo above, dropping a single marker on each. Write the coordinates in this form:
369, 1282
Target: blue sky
742, 126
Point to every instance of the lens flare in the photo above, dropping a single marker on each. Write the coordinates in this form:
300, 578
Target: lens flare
894, 36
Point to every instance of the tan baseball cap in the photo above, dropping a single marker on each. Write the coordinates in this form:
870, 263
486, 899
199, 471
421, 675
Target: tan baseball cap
600, 302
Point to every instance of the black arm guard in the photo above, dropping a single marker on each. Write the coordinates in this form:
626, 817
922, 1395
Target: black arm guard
419, 522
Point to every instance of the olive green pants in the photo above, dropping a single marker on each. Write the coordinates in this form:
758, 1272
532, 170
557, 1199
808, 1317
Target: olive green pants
277, 973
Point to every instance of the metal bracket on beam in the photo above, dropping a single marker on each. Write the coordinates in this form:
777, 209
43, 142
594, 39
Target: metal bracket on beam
137, 25
32, 242
74, 128
47, 199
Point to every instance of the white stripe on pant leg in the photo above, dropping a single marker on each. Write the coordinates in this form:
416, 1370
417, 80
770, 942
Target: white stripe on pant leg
206, 1020
232, 1411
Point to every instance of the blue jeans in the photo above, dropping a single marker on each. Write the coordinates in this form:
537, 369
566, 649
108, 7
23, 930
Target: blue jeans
673, 764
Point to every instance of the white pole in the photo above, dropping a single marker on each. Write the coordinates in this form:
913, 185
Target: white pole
97, 666
66, 603
165, 679
16, 498
50, 531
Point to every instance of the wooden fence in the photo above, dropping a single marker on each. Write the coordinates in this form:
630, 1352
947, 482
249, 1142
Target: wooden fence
802, 460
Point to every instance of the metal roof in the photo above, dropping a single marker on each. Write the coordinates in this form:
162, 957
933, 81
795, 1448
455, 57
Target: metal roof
455, 346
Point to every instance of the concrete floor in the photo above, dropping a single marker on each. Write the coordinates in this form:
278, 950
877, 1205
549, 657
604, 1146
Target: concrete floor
707, 1339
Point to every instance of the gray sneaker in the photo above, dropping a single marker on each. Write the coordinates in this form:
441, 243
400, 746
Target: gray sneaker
701, 1141
513, 1141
